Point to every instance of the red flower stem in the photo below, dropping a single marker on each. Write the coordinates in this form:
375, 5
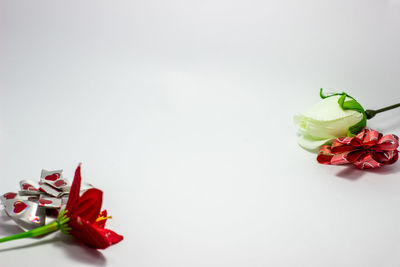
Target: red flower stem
32, 233
371, 113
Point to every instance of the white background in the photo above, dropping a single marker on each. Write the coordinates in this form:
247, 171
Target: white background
181, 112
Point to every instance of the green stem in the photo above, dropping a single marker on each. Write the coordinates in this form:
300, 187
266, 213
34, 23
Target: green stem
32, 233
371, 113
60, 224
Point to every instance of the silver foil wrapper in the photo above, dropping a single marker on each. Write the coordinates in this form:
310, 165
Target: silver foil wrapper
29, 188
25, 213
39, 203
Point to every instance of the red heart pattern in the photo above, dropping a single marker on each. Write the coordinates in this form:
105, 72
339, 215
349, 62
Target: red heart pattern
19, 207
10, 195
52, 177
28, 187
60, 183
45, 201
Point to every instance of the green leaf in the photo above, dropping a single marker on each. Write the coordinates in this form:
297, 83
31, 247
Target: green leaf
326, 96
321, 94
352, 104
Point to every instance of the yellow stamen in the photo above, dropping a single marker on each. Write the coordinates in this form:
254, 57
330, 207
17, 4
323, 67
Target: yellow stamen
102, 218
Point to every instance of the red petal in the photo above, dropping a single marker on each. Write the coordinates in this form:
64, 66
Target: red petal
367, 162
93, 236
344, 144
111, 236
360, 135
342, 148
75, 189
324, 155
340, 159
88, 205
386, 157
371, 137
356, 155
388, 142
101, 223
342, 141
394, 159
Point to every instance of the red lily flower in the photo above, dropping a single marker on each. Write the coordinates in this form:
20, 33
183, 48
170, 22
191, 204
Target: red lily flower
367, 150
86, 222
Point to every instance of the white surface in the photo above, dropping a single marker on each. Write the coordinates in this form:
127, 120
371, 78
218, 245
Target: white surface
181, 111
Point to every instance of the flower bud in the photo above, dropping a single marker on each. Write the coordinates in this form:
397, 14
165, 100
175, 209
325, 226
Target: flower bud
334, 116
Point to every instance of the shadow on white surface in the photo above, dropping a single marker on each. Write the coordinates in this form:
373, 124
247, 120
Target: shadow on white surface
352, 173
33, 244
79, 252
7, 225
74, 250
7, 229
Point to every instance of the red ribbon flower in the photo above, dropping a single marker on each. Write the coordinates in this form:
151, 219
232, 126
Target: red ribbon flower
86, 222
367, 150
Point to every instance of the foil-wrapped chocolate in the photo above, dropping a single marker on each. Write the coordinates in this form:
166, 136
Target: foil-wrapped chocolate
9, 195
29, 188
25, 213
38, 203
50, 202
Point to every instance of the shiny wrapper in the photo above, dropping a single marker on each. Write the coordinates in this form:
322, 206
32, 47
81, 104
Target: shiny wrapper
50, 202
51, 175
48, 189
59, 184
38, 203
29, 188
9, 195
25, 213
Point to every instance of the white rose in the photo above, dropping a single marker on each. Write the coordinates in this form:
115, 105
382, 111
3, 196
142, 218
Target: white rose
328, 120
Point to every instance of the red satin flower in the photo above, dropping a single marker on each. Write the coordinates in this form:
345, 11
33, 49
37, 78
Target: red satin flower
367, 150
86, 222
